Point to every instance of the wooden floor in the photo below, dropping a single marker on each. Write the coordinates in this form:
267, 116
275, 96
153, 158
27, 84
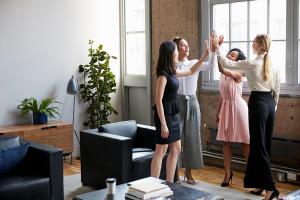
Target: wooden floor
209, 174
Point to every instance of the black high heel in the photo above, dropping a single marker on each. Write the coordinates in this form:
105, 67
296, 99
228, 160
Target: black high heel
274, 194
257, 192
225, 184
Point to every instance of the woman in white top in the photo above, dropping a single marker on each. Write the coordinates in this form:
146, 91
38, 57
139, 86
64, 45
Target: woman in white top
264, 84
189, 115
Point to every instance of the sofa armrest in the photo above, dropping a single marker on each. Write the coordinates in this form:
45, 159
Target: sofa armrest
146, 136
104, 155
46, 161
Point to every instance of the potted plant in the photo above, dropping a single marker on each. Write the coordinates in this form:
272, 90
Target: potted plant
99, 85
41, 111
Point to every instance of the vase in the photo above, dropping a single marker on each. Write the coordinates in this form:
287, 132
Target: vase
40, 118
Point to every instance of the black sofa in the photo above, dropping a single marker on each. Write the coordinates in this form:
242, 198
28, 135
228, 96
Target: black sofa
38, 177
122, 150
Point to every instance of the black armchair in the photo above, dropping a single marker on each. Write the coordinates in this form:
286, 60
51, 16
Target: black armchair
121, 150
38, 176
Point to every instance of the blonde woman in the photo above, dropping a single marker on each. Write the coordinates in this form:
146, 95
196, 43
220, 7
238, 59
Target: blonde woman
264, 84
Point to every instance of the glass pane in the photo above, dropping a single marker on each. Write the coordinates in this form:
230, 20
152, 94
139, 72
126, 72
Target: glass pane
299, 62
135, 15
258, 18
216, 73
251, 54
239, 21
136, 54
277, 53
221, 20
241, 45
299, 51
278, 19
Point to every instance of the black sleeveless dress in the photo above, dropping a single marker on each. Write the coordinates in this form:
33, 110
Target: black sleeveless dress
171, 109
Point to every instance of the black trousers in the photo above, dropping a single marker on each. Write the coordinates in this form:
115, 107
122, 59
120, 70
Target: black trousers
261, 124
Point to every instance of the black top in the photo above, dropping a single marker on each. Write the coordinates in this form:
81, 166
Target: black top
170, 98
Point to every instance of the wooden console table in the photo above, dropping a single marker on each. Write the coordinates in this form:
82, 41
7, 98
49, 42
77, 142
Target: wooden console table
54, 133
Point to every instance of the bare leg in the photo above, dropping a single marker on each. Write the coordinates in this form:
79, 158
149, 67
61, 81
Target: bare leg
188, 173
227, 160
160, 151
246, 150
189, 177
177, 177
174, 150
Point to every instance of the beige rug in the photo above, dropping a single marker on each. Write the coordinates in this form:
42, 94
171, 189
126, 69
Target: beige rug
73, 187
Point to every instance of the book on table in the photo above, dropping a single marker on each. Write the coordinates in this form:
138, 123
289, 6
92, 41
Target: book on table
148, 179
160, 196
148, 188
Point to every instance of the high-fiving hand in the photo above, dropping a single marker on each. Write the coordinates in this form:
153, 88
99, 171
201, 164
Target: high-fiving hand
215, 41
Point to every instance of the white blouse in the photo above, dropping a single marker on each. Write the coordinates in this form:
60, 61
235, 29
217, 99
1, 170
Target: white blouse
253, 70
188, 84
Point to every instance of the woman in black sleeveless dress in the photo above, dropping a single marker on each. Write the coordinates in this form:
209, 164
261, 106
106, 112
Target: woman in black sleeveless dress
167, 107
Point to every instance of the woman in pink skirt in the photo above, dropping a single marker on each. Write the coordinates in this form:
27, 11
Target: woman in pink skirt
232, 115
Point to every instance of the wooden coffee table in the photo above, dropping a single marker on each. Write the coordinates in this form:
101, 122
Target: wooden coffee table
180, 192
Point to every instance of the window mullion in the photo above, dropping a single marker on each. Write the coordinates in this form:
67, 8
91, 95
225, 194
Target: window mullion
268, 17
229, 39
248, 29
211, 11
291, 59
294, 41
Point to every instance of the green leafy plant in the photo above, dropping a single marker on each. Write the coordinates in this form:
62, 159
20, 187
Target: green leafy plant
98, 87
31, 105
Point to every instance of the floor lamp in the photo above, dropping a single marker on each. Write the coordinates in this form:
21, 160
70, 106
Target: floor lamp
72, 89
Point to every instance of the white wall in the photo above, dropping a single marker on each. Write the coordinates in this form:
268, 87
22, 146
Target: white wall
42, 42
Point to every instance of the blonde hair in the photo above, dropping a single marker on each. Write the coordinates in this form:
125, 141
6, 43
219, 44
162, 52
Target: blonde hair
264, 43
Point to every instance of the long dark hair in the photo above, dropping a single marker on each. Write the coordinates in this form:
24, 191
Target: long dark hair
241, 55
165, 60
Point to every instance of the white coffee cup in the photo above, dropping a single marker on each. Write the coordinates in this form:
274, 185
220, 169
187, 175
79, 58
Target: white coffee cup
111, 185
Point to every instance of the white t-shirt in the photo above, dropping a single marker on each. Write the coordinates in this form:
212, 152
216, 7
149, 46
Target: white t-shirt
188, 84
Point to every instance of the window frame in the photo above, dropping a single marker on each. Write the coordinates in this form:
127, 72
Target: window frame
135, 80
291, 87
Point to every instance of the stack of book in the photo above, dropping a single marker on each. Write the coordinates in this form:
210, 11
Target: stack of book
148, 188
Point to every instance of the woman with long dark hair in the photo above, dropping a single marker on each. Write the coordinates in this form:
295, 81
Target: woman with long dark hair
166, 108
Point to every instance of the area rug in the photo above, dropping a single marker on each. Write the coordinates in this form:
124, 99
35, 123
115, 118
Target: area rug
226, 192
73, 187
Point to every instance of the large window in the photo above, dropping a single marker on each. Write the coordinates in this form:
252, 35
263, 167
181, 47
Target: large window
135, 28
241, 20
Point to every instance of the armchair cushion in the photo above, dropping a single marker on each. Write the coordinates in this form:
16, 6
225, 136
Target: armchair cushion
22, 187
136, 150
123, 128
9, 158
9, 142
